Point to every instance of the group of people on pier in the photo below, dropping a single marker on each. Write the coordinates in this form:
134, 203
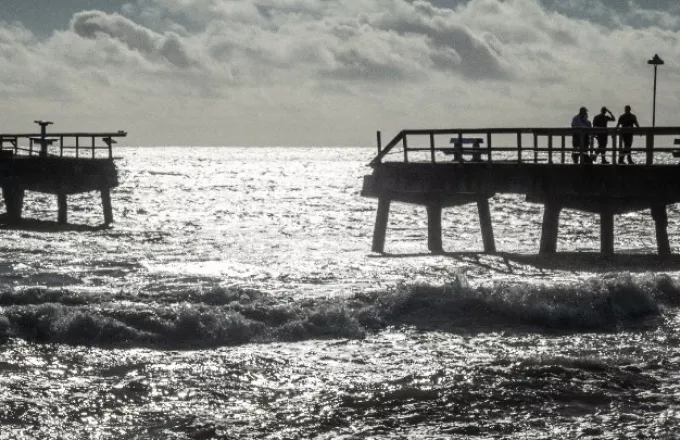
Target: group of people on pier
582, 142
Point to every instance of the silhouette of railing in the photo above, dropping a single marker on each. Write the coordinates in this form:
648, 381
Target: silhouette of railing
522, 145
71, 144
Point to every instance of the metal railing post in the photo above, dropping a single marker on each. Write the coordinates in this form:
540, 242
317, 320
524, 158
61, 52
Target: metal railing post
519, 147
650, 148
535, 148
489, 146
615, 147
432, 155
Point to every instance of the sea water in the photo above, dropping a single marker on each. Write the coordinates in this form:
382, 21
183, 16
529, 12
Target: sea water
236, 297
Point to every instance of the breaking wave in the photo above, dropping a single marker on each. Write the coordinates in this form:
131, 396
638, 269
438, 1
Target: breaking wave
234, 316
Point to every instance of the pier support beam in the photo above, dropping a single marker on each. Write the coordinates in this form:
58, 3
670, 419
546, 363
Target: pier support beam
434, 229
106, 204
607, 231
62, 216
661, 223
14, 201
487, 227
551, 216
380, 229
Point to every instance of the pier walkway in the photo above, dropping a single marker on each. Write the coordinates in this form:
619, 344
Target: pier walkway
449, 167
57, 163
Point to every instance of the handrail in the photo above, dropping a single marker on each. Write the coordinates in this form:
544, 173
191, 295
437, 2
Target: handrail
120, 133
40, 143
538, 133
387, 148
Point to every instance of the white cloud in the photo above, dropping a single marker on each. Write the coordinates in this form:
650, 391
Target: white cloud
317, 71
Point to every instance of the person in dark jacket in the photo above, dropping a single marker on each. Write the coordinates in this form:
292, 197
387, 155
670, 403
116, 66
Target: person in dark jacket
580, 141
627, 119
600, 121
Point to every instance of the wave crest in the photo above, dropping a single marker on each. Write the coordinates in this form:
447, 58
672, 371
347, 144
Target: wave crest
233, 316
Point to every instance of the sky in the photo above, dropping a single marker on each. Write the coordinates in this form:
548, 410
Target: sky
329, 72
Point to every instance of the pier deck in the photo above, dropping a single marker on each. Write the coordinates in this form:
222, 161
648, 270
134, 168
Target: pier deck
59, 164
536, 163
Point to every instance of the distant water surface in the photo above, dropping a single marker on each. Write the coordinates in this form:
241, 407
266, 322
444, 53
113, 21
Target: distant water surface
236, 297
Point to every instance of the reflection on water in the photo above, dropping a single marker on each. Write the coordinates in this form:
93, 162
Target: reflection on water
236, 296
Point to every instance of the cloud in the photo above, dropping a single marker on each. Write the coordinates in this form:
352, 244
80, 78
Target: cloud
98, 25
333, 69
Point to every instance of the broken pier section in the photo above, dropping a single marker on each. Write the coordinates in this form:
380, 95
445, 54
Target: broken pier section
59, 164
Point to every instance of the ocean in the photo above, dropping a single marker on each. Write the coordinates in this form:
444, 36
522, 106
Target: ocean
236, 297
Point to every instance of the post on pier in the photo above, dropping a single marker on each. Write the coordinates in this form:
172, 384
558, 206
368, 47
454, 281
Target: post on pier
14, 201
434, 228
551, 216
44, 142
649, 149
380, 230
110, 142
486, 226
106, 205
432, 148
62, 215
607, 231
661, 225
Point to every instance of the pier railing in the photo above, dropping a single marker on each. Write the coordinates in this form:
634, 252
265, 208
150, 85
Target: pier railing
80, 145
526, 145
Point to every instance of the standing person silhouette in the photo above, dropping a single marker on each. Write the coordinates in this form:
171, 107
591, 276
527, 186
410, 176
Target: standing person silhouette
600, 121
580, 141
627, 120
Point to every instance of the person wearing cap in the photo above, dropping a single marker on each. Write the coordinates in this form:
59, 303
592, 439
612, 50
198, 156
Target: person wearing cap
580, 141
600, 121
627, 120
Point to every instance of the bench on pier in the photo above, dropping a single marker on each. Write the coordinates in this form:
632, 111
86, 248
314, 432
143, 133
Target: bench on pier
47, 141
459, 151
12, 142
676, 153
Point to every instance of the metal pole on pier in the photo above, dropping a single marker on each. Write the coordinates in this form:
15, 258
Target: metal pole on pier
656, 62
43, 134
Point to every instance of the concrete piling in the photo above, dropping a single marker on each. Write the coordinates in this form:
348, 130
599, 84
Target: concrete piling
486, 226
607, 231
380, 230
434, 228
62, 208
551, 216
660, 217
14, 202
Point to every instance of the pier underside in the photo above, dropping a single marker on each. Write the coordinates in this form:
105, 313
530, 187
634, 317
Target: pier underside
60, 176
606, 191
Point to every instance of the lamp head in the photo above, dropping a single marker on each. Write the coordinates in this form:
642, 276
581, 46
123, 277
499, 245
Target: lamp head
657, 61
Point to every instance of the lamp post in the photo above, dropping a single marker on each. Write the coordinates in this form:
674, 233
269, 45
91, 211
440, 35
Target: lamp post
656, 62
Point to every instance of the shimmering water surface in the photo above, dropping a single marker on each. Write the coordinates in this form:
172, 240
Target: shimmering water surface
236, 297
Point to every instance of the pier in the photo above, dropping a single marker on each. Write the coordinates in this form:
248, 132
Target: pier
59, 164
439, 168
